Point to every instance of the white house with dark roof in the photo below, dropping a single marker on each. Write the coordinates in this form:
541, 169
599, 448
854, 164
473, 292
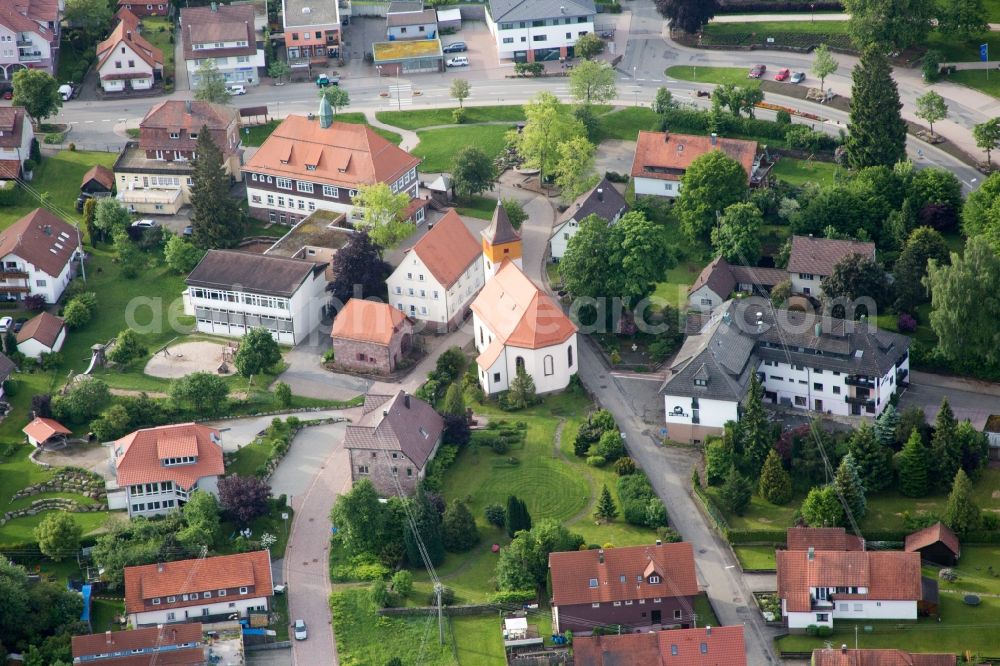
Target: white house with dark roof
536, 30
393, 441
814, 363
436, 280
813, 259
42, 334
230, 292
37, 254
603, 200
719, 279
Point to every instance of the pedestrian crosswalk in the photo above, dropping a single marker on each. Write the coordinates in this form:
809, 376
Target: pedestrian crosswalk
400, 96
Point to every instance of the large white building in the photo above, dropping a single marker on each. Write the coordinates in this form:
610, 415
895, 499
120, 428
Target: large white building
205, 590
813, 363
536, 30
603, 200
515, 324
817, 587
437, 279
231, 292
37, 255
224, 35
157, 469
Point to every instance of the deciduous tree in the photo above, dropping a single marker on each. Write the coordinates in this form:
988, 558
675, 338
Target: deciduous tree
890, 25
592, 82
38, 92
382, 213
975, 446
914, 467
358, 270
547, 124
210, 84
822, 507
961, 513
110, 218
962, 20
574, 171
587, 46
987, 137
854, 277
923, 245
687, 15
58, 535
244, 497
824, 64
712, 182
876, 131
258, 352
932, 108
278, 70
216, 217
337, 97
128, 348
84, 401
460, 90
91, 16
737, 238
981, 213
181, 254
202, 392
515, 211
472, 171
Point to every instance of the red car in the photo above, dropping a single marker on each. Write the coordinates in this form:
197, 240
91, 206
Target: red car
756, 71
782, 74
8, 94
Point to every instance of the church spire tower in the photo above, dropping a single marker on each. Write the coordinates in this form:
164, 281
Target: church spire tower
500, 241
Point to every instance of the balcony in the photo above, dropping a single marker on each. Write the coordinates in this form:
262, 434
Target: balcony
33, 56
13, 275
862, 401
859, 380
23, 41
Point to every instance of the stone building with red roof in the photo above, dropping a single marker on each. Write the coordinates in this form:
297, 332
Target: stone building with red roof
370, 337
157, 469
437, 279
636, 586
205, 589
705, 646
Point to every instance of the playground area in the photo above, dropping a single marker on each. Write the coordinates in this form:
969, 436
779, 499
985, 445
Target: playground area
195, 356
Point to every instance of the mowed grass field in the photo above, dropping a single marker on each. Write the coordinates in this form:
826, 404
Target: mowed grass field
258, 133
720, 75
437, 147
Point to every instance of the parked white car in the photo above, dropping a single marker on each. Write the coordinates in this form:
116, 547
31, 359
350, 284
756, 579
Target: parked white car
6, 323
237, 89
145, 224
458, 61
300, 630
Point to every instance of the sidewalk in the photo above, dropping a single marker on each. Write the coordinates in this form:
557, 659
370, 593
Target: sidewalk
410, 138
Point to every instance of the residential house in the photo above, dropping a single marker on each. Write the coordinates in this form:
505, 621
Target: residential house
822, 538
42, 334
409, 20
813, 259
42, 430
844, 656
634, 586
392, 442
146, 8
662, 158
317, 164
99, 181
603, 200
231, 292
719, 279
518, 327
206, 589
154, 174
157, 469
935, 543
174, 645
817, 587
802, 360
7, 367
707, 646
29, 36
312, 31
126, 60
16, 135
537, 30
37, 254
370, 337
437, 279
225, 36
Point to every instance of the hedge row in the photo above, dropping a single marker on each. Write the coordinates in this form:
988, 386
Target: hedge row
763, 6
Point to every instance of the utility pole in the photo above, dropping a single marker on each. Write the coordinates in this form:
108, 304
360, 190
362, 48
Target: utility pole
437, 592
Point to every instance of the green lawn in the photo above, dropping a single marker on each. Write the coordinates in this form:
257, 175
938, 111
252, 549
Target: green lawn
258, 133
477, 206
787, 33
755, 557
103, 613
626, 123
246, 461
157, 30
961, 628
800, 172
761, 514
721, 75
419, 118
977, 78
438, 147
270, 524
674, 287
992, 10
978, 571
281, 623
924, 332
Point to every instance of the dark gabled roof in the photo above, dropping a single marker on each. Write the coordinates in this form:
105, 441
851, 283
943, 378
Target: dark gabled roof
528, 10
603, 200
931, 535
818, 256
399, 422
6, 367
42, 239
101, 174
822, 538
500, 230
722, 277
255, 273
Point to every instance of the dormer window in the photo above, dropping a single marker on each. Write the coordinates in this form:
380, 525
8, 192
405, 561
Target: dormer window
310, 167
175, 135
653, 580
621, 578
193, 135
593, 582
183, 460
701, 382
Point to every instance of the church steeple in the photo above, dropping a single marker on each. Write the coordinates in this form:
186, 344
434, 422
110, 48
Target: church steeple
500, 241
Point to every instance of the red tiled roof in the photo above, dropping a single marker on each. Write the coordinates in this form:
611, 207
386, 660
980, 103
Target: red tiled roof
666, 156
138, 455
41, 429
12, 126
723, 646
344, 154
38, 10
447, 249
176, 115
21, 19
573, 571
10, 169
368, 321
43, 328
930, 535
218, 23
519, 314
822, 538
152, 581
888, 575
101, 174
185, 657
846, 657
127, 33
150, 637
818, 256
42, 239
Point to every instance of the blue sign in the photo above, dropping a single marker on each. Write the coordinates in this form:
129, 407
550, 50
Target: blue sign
984, 52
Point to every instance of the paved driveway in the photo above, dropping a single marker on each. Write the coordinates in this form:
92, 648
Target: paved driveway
969, 399
237, 433
308, 378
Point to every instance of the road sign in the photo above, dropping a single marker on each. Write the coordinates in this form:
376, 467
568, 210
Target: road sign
984, 52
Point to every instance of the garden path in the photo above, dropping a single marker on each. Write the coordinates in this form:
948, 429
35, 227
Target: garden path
410, 138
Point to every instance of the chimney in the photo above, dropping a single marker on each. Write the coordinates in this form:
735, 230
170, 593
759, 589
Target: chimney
173, 635
159, 567
107, 637
406, 400
843, 648
666, 135
715, 138
708, 630
128, 35
600, 194
812, 553
600, 556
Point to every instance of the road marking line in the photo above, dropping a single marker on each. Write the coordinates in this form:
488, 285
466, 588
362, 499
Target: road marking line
731, 566
88, 121
105, 120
